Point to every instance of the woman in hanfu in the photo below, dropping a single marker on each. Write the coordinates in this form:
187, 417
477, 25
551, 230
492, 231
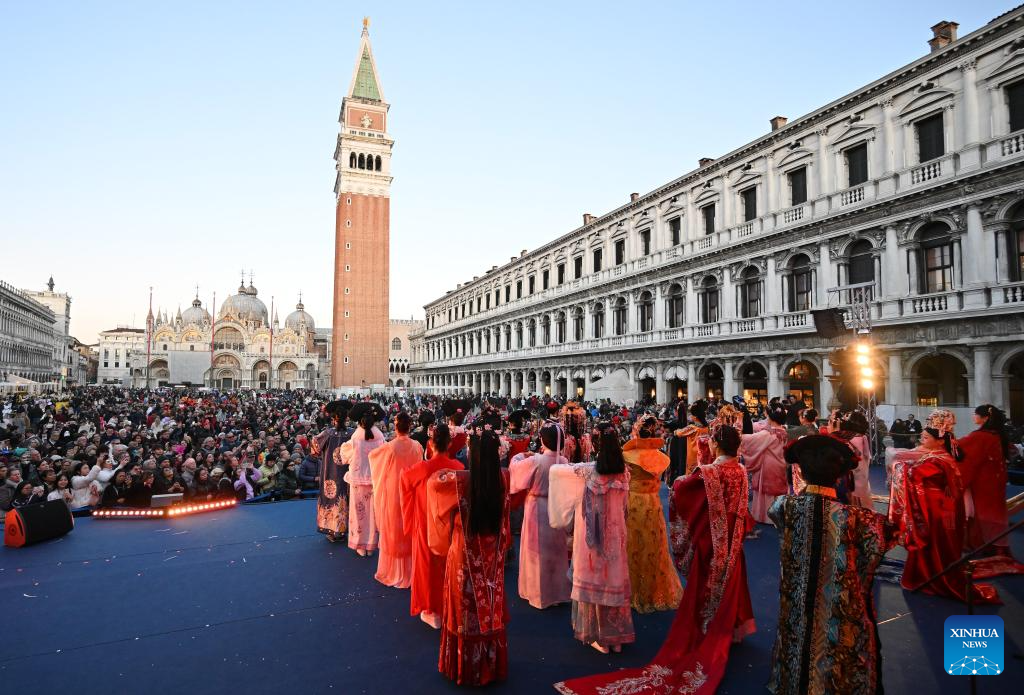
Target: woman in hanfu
708, 523
355, 454
926, 503
762, 454
984, 472
653, 580
332, 502
697, 428
468, 522
543, 551
578, 445
726, 415
591, 499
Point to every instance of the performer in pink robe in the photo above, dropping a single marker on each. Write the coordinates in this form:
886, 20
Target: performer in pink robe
543, 551
355, 453
763, 455
387, 463
591, 499
852, 428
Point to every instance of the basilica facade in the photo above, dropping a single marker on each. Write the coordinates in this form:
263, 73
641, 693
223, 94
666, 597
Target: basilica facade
243, 347
911, 187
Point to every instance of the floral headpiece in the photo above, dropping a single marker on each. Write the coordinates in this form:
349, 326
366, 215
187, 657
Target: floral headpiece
642, 422
573, 413
943, 421
728, 415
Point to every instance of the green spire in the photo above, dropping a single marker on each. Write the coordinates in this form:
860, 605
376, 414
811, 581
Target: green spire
366, 80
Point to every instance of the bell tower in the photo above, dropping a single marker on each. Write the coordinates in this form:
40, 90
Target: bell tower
362, 188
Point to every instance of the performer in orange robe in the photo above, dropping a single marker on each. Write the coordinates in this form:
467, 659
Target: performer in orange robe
697, 428
984, 476
708, 522
927, 507
474, 541
427, 569
387, 463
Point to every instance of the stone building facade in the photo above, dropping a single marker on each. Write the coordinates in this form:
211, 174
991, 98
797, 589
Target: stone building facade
913, 183
60, 304
401, 351
27, 338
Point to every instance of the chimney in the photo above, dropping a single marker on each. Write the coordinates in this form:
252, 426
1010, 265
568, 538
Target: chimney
587, 218
704, 161
944, 33
522, 253
778, 122
633, 197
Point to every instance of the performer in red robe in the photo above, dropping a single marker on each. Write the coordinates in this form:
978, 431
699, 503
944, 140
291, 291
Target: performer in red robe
927, 506
474, 648
427, 568
984, 475
708, 522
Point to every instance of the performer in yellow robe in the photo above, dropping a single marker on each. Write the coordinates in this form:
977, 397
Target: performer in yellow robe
655, 584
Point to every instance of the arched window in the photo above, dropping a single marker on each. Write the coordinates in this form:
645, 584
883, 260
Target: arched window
936, 259
709, 300
531, 332
545, 325
362, 161
675, 306
376, 163
351, 160
862, 263
801, 287
508, 338
599, 320
645, 312
750, 294
577, 324
1015, 238
620, 318
560, 327
396, 344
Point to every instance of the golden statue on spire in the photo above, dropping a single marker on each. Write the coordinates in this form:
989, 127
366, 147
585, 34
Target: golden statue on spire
366, 22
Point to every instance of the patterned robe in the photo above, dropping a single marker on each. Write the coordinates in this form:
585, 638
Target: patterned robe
762, 455
926, 504
332, 502
474, 648
652, 577
708, 521
387, 463
827, 634
355, 454
594, 506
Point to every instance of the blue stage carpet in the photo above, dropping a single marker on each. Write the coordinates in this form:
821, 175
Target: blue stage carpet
254, 600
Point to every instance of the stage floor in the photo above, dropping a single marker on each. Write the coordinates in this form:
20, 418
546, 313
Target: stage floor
253, 600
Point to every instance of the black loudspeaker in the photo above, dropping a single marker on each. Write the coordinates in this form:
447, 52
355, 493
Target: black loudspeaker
37, 522
829, 323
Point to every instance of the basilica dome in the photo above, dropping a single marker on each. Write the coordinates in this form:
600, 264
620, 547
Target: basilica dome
245, 306
195, 314
298, 318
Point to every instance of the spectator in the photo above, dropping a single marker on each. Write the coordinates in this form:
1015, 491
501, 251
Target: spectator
309, 473
268, 473
167, 483
245, 482
141, 492
288, 480
26, 493
117, 492
10, 487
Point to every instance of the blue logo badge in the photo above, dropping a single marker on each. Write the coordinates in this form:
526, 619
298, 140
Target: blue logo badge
974, 645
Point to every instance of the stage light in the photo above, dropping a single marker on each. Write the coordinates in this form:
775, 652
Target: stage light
863, 348
867, 384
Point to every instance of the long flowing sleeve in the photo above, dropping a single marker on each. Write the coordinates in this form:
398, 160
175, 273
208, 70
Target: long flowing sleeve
442, 497
380, 458
407, 495
565, 492
521, 470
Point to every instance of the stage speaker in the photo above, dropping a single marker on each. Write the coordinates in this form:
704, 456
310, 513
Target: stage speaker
37, 522
829, 323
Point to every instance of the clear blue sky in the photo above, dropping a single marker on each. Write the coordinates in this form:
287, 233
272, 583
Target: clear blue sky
173, 144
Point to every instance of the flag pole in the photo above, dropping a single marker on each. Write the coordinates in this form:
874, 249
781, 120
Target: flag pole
213, 330
271, 342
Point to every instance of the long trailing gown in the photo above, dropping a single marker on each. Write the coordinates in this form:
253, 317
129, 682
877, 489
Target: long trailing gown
474, 647
387, 463
762, 455
543, 551
332, 502
652, 576
355, 453
594, 506
926, 504
427, 568
984, 474
708, 522
827, 632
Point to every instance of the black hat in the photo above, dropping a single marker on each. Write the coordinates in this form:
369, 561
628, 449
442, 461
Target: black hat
821, 457
854, 422
516, 418
362, 408
452, 406
338, 408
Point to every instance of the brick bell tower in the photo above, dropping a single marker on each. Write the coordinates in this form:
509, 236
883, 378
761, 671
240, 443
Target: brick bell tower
359, 350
